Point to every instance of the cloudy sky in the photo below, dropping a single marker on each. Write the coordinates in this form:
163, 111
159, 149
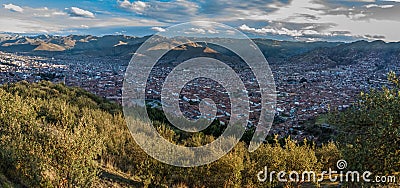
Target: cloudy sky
305, 20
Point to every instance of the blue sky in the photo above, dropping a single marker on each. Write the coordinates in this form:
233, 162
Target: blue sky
303, 20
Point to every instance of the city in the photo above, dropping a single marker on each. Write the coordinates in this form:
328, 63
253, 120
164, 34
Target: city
305, 90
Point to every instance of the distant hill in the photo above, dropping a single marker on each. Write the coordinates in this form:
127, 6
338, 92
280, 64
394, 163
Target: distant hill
117, 45
324, 53
49, 47
378, 53
125, 46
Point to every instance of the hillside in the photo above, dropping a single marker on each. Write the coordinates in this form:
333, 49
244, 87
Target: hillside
57, 136
378, 53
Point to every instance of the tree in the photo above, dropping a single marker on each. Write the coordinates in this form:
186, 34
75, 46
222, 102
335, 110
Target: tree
369, 133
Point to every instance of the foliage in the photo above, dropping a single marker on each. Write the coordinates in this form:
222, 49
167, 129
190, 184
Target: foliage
291, 157
369, 133
328, 154
57, 136
47, 142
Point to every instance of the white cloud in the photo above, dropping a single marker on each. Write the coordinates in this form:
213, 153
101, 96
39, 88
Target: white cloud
386, 6
204, 30
338, 20
14, 25
43, 12
295, 30
230, 32
171, 11
378, 6
127, 22
371, 5
212, 31
357, 16
59, 13
158, 29
42, 15
12, 7
281, 31
39, 20
364, 1
137, 6
246, 28
75, 11
195, 31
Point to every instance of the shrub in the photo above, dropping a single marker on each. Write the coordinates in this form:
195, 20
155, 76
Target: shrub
52, 148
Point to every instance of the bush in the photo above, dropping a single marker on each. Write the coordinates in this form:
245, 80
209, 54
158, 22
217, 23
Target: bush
328, 154
46, 142
287, 158
56, 136
369, 133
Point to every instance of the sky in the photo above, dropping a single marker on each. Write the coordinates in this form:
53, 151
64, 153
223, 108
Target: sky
300, 20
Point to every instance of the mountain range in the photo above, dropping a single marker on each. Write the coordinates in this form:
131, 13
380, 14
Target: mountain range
327, 53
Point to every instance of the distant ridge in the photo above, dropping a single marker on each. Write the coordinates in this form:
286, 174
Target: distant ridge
49, 47
324, 53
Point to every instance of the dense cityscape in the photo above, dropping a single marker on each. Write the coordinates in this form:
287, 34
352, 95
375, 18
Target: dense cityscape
304, 90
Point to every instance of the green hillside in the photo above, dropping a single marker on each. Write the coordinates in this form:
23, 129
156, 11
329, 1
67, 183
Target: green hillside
57, 136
